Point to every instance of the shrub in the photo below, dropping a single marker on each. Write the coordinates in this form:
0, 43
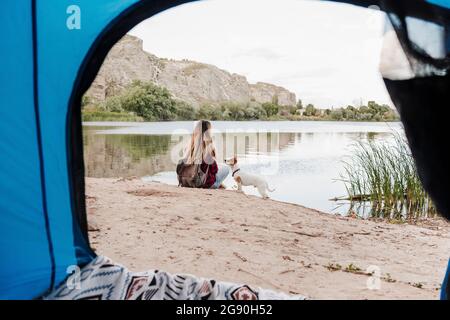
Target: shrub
113, 104
233, 111
288, 110
309, 110
185, 111
336, 114
209, 112
254, 111
148, 101
270, 108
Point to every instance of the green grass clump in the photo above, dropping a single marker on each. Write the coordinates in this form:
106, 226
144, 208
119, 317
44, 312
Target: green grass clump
385, 176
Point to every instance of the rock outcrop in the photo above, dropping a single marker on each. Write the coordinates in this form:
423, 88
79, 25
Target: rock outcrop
190, 81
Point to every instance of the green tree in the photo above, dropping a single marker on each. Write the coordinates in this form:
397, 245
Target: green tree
270, 108
310, 110
337, 114
363, 109
149, 101
254, 111
234, 111
113, 104
185, 111
209, 112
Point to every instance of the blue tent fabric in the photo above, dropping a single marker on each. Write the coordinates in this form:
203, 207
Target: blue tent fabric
36, 222
45, 68
445, 285
22, 223
41, 232
442, 3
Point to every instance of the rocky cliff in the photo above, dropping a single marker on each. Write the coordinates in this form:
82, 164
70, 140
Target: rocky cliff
193, 82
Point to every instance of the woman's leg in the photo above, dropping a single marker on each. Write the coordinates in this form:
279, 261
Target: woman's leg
221, 175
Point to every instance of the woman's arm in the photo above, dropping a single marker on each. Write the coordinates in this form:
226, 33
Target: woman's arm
214, 168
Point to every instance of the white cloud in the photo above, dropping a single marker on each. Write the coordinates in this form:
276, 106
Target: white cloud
327, 53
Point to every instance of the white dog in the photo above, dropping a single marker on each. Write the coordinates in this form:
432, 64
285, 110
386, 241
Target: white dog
247, 179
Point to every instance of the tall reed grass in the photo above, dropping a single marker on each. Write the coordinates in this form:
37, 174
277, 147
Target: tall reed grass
385, 177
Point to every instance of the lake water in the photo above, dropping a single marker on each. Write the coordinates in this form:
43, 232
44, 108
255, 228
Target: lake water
302, 160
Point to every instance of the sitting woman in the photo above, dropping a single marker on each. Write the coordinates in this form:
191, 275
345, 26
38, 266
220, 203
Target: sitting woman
201, 151
103, 279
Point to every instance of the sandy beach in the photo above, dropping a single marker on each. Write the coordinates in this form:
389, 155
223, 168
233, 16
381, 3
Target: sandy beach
229, 236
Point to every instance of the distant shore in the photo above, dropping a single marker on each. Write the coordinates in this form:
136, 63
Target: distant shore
228, 236
150, 102
101, 116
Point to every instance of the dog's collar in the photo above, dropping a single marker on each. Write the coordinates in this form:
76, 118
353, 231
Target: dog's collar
235, 171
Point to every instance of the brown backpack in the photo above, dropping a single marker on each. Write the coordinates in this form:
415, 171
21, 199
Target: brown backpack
191, 175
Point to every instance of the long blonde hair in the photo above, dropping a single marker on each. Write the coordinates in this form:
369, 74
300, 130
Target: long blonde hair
200, 147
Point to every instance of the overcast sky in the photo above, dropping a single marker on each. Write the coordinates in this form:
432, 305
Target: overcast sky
327, 53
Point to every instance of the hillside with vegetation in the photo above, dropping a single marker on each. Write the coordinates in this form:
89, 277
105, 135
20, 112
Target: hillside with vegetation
146, 101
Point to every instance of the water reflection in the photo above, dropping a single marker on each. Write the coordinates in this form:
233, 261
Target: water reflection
301, 166
124, 155
111, 156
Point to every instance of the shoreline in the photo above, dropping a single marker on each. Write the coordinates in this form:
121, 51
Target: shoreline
98, 122
286, 247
